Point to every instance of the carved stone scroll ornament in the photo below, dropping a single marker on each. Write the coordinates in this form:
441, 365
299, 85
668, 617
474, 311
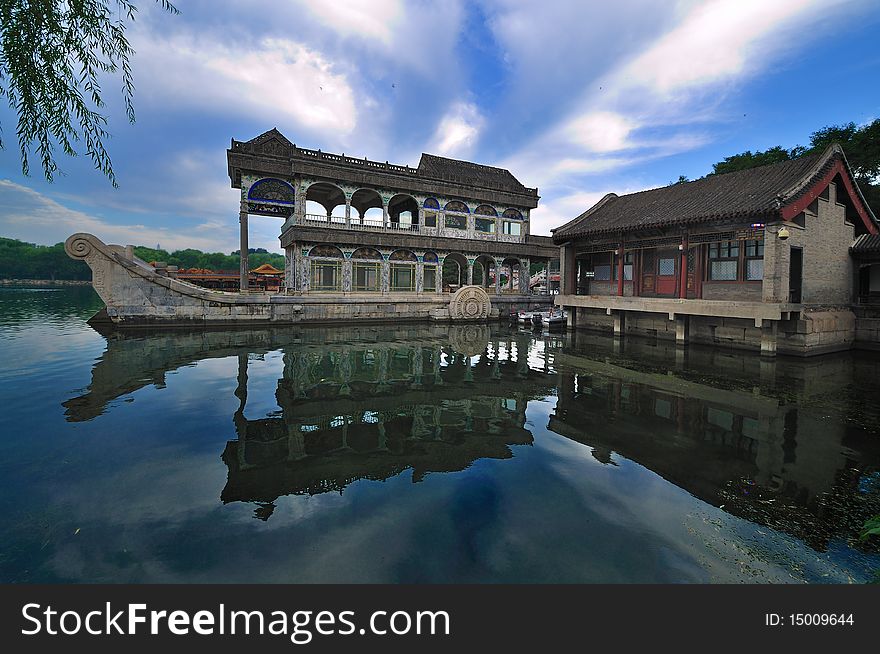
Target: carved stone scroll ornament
470, 303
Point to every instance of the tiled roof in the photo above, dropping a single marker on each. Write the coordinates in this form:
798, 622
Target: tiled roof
471, 174
866, 244
754, 192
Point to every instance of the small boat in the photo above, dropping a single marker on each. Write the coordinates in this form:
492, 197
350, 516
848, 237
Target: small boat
525, 317
551, 319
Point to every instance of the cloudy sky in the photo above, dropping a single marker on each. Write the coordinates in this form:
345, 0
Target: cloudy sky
576, 98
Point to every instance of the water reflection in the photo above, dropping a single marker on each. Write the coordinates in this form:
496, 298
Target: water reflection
789, 444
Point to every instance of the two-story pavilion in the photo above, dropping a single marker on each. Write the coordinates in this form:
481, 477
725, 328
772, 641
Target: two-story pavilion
362, 228
757, 258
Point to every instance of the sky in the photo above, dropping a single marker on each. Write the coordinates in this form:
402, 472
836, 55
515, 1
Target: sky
578, 99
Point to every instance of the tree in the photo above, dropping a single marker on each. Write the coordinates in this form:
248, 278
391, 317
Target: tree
53, 57
748, 159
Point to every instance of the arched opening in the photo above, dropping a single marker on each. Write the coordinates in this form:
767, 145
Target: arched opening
429, 272
270, 189
455, 268
325, 265
487, 272
368, 204
511, 269
485, 210
402, 272
403, 211
366, 270
325, 202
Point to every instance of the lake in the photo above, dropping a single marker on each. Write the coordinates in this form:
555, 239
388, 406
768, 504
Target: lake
423, 453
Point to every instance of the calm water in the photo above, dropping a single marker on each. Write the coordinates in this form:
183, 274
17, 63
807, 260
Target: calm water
422, 454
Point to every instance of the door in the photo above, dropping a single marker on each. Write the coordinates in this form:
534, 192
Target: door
667, 269
796, 275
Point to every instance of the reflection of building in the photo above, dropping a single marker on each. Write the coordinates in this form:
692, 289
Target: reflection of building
761, 457
369, 410
755, 258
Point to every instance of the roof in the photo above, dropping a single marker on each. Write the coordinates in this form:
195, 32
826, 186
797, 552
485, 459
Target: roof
866, 245
431, 166
267, 269
756, 192
466, 172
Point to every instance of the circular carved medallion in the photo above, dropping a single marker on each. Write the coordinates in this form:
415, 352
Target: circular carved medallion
470, 303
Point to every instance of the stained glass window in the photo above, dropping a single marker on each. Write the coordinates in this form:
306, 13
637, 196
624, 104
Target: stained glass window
457, 206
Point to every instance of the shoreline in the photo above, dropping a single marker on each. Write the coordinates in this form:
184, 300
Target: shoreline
45, 282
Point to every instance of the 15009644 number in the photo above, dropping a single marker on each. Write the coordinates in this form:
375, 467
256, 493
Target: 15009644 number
821, 619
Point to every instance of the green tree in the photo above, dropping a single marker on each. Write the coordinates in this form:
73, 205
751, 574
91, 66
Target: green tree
749, 159
54, 55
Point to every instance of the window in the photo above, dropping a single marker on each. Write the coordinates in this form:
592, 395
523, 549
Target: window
403, 277
666, 267
456, 222
723, 261
326, 276
485, 225
365, 277
754, 260
429, 281
430, 219
602, 273
514, 229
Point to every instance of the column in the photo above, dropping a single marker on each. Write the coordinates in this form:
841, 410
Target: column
470, 272
420, 277
346, 275
682, 328
439, 273
525, 276
620, 256
619, 323
497, 277
547, 277
299, 202
243, 246
769, 329
683, 272
347, 212
385, 219
385, 282
567, 271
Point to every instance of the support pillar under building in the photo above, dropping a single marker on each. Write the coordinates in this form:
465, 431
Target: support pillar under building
619, 318
243, 246
682, 327
769, 332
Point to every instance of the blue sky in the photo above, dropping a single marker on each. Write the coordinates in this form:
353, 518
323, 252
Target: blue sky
576, 98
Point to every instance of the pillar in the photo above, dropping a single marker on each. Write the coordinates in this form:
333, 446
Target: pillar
683, 269
470, 272
769, 330
571, 319
620, 255
525, 276
682, 327
547, 277
438, 271
619, 318
347, 212
385, 219
567, 271
243, 246
497, 277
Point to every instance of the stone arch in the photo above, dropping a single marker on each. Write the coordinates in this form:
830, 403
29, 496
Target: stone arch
328, 196
455, 266
456, 206
403, 255
431, 203
327, 251
485, 269
511, 270
403, 210
512, 214
486, 210
271, 189
430, 257
367, 253
366, 200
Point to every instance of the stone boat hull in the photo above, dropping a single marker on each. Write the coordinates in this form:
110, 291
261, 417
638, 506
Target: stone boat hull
136, 295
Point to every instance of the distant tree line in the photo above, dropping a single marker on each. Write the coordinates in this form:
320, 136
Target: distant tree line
20, 260
860, 144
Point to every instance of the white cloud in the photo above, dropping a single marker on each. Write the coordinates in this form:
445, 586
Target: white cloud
371, 19
600, 131
458, 130
30, 216
277, 80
